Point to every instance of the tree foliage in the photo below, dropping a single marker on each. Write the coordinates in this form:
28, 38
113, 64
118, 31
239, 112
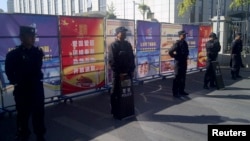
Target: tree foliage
143, 9
186, 5
238, 3
1, 11
111, 11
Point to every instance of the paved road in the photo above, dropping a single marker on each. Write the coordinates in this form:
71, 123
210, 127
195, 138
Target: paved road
159, 116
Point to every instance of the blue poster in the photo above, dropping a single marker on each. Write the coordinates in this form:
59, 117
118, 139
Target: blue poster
192, 40
148, 48
45, 25
47, 39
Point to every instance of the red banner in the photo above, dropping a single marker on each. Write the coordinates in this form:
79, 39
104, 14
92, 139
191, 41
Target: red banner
204, 32
82, 44
80, 26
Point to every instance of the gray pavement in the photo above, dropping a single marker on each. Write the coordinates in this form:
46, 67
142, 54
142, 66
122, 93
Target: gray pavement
159, 116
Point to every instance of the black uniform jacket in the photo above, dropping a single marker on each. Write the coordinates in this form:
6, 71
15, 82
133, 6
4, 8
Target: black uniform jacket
212, 48
179, 51
121, 57
23, 66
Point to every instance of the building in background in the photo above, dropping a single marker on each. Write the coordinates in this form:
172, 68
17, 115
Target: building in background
164, 10
51, 7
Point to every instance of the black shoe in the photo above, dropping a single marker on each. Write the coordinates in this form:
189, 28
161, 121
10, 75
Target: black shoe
116, 117
176, 95
18, 138
238, 76
205, 87
40, 139
184, 93
212, 86
234, 78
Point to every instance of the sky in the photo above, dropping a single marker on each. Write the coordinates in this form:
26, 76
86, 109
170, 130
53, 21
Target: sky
3, 5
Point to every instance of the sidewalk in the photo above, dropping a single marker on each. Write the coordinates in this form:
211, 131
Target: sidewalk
159, 116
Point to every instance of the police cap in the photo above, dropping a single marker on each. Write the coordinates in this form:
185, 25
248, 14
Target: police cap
27, 30
212, 35
182, 32
120, 29
238, 34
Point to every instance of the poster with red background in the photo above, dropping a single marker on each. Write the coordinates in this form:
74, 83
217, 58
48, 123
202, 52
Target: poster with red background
82, 49
203, 38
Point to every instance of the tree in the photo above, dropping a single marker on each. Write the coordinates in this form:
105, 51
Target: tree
238, 3
143, 9
111, 11
186, 5
1, 11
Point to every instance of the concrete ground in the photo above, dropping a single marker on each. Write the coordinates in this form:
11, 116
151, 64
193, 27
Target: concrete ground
159, 116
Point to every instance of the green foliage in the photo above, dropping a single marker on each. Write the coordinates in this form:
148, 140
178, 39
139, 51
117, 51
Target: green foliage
111, 15
1, 11
111, 11
143, 9
184, 6
238, 3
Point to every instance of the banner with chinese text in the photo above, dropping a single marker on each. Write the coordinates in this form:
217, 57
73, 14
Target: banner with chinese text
204, 32
111, 25
169, 35
192, 40
47, 39
82, 49
148, 48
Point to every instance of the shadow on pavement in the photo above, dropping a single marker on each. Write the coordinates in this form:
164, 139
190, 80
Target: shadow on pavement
201, 119
236, 89
231, 96
89, 117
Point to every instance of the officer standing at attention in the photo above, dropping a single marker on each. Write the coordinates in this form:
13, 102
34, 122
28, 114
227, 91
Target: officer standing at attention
23, 69
122, 62
236, 61
212, 48
180, 53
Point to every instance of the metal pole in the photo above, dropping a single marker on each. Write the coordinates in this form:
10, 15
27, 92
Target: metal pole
218, 19
247, 28
1, 93
124, 8
169, 11
134, 10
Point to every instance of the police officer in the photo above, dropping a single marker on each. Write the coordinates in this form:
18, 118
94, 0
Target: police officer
236, 61
121, 60
212, 48
23, 69
180, 53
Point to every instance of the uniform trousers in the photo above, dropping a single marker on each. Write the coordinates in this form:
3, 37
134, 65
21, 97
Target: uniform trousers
179, 79
29, 99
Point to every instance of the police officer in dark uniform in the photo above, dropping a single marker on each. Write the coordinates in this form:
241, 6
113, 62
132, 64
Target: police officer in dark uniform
236, 60
180, 53
121, 60
212, 48
23, 69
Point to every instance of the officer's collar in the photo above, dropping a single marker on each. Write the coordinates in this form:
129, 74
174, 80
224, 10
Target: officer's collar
120, 40
25, 48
